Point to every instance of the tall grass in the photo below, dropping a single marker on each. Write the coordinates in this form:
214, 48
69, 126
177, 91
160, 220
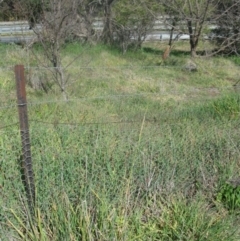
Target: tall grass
127, 163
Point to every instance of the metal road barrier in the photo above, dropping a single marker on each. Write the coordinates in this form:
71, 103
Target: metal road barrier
15, 32
19, 31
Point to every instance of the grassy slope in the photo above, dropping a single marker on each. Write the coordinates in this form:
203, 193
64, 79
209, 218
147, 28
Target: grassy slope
163, 142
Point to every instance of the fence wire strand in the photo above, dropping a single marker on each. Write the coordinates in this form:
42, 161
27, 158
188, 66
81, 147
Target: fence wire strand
118, 96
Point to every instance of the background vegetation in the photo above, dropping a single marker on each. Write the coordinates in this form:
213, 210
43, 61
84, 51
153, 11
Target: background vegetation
126, 23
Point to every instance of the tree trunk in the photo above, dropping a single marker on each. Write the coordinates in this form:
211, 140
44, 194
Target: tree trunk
107, 34
171, 37
62, 83
193, 39
194, 51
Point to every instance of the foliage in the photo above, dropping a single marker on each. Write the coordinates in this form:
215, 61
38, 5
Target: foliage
10, 10
229, 196
227, 34
132, 21
126, 23
191, 16
194, 221
227, 107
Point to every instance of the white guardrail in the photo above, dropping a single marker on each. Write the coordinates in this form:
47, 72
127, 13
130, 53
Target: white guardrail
19, 31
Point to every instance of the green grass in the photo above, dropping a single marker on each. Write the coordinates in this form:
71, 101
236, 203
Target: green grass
139, 152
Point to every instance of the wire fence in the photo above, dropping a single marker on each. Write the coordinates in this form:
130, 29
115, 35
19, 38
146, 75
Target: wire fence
177, 66
163, 140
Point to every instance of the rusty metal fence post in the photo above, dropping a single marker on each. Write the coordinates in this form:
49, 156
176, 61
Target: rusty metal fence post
26, 160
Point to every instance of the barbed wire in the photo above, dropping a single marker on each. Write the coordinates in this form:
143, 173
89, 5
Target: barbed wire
10, 125
123, 66
8, 106
163, 65
88, 123
124, 125
82, 99
153, 121
113, 96
141, 119
8, 68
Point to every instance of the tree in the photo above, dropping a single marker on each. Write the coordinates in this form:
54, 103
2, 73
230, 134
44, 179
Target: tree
34, 10
126, 22
107, 34
227, 34
87, 11
132, 22
58, 23
10, 10
192, 16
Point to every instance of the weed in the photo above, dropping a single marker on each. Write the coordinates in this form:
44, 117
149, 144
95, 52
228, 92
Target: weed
229, 196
